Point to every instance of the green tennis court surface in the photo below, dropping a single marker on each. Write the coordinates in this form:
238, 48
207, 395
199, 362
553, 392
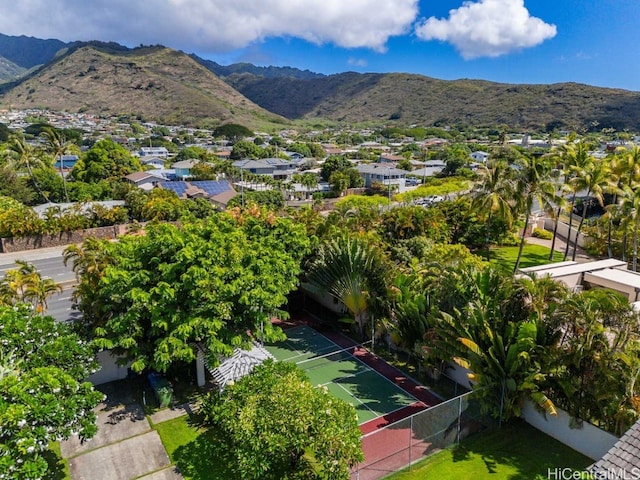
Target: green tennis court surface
344, 375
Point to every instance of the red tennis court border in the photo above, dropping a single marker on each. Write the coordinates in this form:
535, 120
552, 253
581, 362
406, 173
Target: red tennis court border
425, 397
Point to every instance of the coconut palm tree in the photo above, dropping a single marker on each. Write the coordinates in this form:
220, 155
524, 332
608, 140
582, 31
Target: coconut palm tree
24, 156
630, 209
626, 163
594, 177
573, 156
58, 145
25, 284
532, 184
493, 195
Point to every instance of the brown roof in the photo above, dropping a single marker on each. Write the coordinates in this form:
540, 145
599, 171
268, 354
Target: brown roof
137, 177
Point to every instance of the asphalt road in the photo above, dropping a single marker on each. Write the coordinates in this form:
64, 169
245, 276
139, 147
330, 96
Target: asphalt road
49, 263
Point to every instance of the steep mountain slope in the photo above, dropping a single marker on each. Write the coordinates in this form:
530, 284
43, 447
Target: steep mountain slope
152, 82
266, 72
410, 98
27, 52
9, 71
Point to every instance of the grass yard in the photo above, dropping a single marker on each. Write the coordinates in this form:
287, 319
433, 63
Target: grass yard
58, 467
532, 255
515, 452
199, 453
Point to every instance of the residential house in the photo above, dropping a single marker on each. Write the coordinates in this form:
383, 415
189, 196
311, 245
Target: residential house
152, 162
622, 461
66, 162
183, 168
480, 156
429, 168
145, 180
217, 192
277, 168
161, 152
381, 173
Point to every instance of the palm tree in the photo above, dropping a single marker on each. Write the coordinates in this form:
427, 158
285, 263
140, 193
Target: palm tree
89, 261
493, 195
573, 156
630, 208
533, 184
352, 271
24, 156
25, 284
626, 164
502, 356
594, 177
58, 145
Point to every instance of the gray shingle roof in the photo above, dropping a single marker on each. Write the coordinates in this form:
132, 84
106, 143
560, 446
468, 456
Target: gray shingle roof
623, 459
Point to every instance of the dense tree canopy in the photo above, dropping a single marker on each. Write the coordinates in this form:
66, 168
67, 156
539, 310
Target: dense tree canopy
105, 160
43, 393
279, 426
216, 282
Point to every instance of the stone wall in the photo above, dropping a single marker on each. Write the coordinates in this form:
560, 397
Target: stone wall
17, 244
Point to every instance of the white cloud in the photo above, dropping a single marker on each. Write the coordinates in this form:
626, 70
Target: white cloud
357, 62
211, 25
487, 28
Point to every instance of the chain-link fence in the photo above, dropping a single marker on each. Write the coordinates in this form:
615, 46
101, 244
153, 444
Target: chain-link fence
402, 443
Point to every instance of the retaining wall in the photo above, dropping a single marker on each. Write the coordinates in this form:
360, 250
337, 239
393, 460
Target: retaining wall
18, 244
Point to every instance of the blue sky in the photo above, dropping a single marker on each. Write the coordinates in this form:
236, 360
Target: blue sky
511, 41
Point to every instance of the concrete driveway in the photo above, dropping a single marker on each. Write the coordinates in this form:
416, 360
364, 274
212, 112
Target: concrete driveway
124, 448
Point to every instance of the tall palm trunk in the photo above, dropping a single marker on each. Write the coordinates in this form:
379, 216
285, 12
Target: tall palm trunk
487, 237
573, 203
584, 213
64, 180
35, 183
524, 232
635, 245
555, 233
610, 227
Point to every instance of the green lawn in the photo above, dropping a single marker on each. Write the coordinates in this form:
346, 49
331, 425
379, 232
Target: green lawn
532, 255
515, 452
58, 467
199, 453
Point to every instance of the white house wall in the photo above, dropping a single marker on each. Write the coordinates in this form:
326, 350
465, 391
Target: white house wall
110, 370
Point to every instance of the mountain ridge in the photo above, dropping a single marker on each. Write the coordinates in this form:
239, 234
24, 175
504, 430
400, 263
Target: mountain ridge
248, 93
149, 82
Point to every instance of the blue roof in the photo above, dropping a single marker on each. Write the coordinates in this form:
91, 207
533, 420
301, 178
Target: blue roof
210, 186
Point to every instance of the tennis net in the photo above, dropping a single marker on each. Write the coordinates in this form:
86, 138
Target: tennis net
335, 356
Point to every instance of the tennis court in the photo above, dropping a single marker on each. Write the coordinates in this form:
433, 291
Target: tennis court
345, 376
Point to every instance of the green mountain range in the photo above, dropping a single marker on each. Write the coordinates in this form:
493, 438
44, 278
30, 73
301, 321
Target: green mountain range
170, 86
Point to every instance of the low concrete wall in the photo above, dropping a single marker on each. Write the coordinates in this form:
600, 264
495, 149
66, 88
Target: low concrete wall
110, 370
563, 231
588, 439
18, 244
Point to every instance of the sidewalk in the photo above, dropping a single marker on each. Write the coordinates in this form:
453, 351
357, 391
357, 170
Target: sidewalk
560, 246
126, 446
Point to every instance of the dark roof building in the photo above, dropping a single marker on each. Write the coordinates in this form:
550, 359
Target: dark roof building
623, 460
218, 192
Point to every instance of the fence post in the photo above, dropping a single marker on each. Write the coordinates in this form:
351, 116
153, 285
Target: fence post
459, 415
410, 442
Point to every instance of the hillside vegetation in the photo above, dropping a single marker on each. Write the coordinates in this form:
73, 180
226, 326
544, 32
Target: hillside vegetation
152, 83
408, 98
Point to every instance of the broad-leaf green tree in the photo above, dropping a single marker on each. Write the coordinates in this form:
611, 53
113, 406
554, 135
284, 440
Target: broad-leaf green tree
43, 392
215, 283
279, 426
